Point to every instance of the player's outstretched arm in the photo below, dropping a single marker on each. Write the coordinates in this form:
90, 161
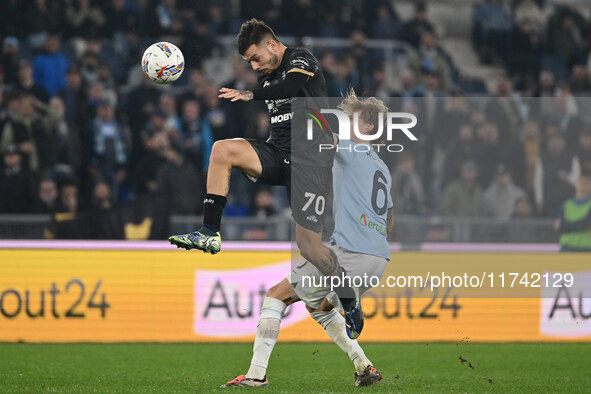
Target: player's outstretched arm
235, 94
290, 87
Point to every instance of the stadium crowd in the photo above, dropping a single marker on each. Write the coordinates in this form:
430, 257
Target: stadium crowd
81, 128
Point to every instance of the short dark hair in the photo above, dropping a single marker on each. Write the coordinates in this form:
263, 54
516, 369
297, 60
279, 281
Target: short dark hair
252, 32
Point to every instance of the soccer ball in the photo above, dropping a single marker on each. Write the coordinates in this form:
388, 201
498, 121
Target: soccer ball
163, 62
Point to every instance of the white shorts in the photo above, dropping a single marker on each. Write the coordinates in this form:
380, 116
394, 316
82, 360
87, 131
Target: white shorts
313, 290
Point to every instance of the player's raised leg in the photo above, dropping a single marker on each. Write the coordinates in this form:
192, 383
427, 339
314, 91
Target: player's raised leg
312, 249
225, 155
278, 298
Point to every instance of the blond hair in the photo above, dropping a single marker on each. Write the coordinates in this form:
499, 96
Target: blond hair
368, 108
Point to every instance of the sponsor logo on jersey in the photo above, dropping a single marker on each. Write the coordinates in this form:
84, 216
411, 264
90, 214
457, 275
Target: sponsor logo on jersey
281, 118
363, 220
300, 61
312, 218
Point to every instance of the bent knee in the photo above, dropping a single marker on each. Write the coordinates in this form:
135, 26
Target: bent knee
283, 291
221, 151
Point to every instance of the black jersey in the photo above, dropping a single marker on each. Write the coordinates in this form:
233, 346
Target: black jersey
283, 112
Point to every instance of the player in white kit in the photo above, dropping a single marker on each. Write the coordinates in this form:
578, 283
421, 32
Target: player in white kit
362, 212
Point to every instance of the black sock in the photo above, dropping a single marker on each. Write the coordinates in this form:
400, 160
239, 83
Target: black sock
213, 206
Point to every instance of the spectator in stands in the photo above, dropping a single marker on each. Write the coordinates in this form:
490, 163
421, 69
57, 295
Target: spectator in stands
199, 38
583, 150
531, 141
460, 150
564, 37
102, 199
121, 20
385, 23
361, 59
26, 84
109, 148
491, 28
47, 139
140, 105
555, 174
73, 97
502, 195
524, 53
522, 209
197, 137
463, 197
32, 129
489, 153
413, 30
574, 223
407, 188
219, 115
566, 116
11, 19
339, 82
506, 111
47, 198
10, 60
379, 84
90, 67
16, 183
528, 11
431, 102
67, 137
264, 206
179, 179
429, 60
307, 21
172, 122
156, 143
580, 85
68, 199
99, 67
407, 84
164, 19
543, 105
94, 95
456, 113
84, 19
50, 68
41, 17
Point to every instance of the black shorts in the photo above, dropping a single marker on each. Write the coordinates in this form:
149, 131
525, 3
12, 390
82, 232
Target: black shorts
309, 188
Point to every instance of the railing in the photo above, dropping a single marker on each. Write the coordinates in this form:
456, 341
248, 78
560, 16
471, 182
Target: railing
407, 230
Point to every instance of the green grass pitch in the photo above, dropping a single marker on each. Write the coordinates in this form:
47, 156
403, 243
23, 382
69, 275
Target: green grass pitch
295, 368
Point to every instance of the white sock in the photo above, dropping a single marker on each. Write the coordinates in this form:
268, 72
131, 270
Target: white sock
266, 337
334, 324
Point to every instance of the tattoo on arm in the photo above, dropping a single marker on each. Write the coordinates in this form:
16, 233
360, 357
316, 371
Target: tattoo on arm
246, 94
390, 220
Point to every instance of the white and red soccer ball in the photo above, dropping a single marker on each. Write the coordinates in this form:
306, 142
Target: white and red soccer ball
163, 62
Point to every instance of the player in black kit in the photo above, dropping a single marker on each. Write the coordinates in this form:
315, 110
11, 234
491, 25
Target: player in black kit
284, 73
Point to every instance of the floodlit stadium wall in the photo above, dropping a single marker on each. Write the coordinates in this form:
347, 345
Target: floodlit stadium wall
60, 291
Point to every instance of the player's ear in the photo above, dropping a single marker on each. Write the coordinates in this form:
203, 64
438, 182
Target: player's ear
272, 46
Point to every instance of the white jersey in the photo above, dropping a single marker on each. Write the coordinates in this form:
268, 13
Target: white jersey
361, 183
